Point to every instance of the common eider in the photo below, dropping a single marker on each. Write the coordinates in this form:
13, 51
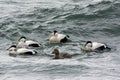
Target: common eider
21, 51
95, 46
59, 55
58, 38
23, 42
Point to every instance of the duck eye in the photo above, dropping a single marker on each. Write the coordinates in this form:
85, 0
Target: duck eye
15, 49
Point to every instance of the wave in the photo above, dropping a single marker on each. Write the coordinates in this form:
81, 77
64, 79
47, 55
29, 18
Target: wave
103, 9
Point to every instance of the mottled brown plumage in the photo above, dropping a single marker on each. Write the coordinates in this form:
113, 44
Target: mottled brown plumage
59, 55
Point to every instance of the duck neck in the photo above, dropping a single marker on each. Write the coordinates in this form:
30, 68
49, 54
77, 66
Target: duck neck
56, 55
21, 44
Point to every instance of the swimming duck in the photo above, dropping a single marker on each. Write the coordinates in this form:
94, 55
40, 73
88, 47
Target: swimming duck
95, 46
59, 55
13, 51
23, 42
58, 38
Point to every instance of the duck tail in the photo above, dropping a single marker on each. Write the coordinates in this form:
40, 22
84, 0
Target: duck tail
67, 36
35, 52
108, 48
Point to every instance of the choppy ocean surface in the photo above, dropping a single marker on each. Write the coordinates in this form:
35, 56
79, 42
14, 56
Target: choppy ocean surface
82, 20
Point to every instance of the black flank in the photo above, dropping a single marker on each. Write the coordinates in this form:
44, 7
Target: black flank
34, 45
64, 40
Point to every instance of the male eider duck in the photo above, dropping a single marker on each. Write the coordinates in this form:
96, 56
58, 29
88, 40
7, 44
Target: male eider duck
13, 51
59, 55
95, 46
22, 42
58, 38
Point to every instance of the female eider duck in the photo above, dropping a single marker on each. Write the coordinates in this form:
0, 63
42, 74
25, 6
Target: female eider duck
13, 51
95, 46
59, 55
22, 42
58, 38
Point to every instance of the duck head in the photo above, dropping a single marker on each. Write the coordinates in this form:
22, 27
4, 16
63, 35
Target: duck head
12, 49
54, 33
88, 44
55, 51
22, 39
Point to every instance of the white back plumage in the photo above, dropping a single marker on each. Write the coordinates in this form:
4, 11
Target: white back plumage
97, 45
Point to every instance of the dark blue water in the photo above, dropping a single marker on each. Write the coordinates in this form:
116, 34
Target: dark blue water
96, 20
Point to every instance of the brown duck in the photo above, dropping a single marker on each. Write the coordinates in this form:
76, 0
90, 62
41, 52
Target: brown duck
59, 55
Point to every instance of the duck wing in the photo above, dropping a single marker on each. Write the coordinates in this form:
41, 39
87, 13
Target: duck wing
32, 43
25, 51
61, 36
96, 45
